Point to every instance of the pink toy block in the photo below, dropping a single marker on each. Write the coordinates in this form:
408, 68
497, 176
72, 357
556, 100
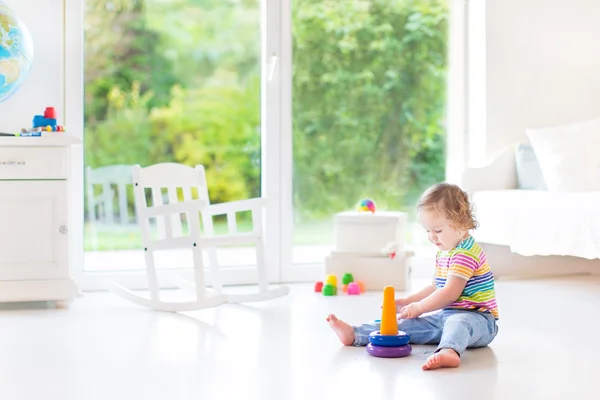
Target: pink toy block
353, 288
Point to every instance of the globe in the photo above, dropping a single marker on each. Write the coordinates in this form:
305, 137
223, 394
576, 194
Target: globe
16, 52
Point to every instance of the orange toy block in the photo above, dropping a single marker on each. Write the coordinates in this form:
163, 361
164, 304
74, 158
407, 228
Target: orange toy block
361, 285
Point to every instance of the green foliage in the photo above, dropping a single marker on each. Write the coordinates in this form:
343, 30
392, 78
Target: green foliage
208, 40
218, 127
121, 49
125, 136
137, 114
368, 106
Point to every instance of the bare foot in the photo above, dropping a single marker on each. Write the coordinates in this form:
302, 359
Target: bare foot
343, 331
445, 358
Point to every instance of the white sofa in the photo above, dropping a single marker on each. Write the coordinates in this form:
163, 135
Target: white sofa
528, 233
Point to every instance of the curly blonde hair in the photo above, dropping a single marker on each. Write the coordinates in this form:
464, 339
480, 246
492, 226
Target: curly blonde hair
452, 202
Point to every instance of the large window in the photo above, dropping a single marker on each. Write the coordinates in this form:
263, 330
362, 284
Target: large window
168, 81
368, 110
314, 104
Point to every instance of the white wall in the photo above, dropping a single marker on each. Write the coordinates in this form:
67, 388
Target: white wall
44, 86
56, 80
542, 68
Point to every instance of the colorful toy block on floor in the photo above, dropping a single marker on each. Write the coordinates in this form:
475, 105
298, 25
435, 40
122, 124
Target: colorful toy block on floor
388, 342
331, 280
348, 278
330, 286
329, 290
318, 287
361, 285
353, 288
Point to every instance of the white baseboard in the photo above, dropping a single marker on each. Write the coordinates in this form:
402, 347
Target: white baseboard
38, 290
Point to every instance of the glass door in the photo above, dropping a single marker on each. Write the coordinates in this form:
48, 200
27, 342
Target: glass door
171, 81
367, 114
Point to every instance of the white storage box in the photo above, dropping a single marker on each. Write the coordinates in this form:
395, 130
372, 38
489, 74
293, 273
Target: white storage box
367, 232
375, 270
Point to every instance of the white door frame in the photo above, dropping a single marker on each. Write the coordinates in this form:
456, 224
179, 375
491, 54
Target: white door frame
273, 74
73, 106
290, 272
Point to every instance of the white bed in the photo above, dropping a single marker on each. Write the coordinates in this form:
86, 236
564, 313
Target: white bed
543, 223
528, 233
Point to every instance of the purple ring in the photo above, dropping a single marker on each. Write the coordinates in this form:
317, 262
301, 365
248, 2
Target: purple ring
389, 352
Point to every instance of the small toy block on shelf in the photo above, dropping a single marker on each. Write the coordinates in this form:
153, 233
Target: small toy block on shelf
39, 121
47, 122
50, 112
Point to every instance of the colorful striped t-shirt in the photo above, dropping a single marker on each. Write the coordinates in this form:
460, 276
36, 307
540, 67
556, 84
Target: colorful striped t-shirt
468, 261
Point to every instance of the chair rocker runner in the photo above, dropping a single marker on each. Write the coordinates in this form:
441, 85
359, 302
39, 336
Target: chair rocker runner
168, 222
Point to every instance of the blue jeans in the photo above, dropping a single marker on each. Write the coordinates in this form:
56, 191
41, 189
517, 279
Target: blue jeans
449, 328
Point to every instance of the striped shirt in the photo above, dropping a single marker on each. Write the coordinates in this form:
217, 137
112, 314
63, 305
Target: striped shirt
468, 261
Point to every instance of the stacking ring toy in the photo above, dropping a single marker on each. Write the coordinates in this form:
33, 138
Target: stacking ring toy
388, 341
389, 352
377, 339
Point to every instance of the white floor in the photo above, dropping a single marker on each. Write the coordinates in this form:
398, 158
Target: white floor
104, 348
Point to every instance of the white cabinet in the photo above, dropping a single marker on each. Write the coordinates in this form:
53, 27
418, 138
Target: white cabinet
34, 219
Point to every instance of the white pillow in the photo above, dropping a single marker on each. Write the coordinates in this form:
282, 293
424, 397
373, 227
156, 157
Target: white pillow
569, 156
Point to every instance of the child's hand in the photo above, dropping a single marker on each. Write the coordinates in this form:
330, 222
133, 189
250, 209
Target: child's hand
400, 304
410, 311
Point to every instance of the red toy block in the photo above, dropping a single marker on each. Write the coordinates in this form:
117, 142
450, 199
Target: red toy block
318, 287
50, 113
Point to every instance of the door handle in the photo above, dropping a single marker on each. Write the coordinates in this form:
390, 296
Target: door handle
272, 66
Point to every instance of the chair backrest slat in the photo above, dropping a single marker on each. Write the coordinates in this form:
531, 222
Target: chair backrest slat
176, 219
168, 210
157, 201
231, 223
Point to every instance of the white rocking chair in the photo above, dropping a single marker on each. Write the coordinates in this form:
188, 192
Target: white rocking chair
168, 216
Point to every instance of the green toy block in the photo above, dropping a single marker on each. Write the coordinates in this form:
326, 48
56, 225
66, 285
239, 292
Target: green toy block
329, 290
348, 278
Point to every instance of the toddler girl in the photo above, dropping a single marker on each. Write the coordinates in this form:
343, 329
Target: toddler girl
462, 291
